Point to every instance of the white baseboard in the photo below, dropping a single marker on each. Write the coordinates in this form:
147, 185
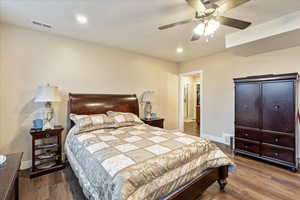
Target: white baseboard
26, 164
214, 138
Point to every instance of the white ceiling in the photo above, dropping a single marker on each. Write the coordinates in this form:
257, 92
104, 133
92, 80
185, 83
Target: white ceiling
132, 24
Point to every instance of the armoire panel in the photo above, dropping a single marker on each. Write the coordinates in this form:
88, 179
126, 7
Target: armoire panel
278, 111
247, 102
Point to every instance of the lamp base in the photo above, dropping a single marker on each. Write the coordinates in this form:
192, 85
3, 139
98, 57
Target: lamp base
147, 110
48, 117
47, 125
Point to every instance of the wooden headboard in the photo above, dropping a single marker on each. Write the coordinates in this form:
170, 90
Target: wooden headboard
87, 104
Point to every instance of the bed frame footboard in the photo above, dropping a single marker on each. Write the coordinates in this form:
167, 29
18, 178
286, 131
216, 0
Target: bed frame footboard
199, 185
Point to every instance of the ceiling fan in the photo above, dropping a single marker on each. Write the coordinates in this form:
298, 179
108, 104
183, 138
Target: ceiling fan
208, 17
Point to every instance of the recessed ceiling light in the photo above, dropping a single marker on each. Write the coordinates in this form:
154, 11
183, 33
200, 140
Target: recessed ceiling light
179, 50
81, 19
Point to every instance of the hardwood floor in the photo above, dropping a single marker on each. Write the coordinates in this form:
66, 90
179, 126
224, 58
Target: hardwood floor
192, 128
253, 180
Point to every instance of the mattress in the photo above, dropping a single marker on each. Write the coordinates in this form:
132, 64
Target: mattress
138, 162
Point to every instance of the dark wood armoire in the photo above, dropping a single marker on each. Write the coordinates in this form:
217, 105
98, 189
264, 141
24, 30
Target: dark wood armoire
266, 118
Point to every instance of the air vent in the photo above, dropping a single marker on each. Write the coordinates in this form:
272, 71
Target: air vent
41, 24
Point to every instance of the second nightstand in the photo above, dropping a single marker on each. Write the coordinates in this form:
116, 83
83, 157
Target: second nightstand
158, 122
46, 156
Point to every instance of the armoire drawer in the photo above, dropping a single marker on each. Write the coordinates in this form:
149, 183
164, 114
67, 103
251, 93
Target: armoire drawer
247, 134
278, 139
277, 153
246, 145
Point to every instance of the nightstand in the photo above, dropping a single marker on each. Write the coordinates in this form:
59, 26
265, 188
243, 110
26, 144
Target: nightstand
157, 122
46, 151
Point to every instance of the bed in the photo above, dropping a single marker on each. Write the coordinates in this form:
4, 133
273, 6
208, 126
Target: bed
162, 165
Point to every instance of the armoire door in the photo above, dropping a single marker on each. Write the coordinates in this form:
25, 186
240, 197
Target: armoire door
278, 112
247, 104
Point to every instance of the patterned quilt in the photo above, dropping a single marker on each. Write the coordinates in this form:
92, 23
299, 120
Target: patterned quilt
141, 162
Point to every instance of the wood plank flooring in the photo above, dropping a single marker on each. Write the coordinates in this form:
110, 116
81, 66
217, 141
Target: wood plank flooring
192, 128
253, 180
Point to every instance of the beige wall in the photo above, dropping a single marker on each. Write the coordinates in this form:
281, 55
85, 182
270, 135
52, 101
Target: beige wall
31, 58
218, 89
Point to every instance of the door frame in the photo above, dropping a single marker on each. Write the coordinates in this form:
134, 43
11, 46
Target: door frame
181, 100
186, 105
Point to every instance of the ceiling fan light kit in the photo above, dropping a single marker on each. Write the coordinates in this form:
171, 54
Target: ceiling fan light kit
199, 29
209, 18
207, 28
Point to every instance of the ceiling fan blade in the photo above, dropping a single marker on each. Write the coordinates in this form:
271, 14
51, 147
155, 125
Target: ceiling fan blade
195, 37
205, 2
197, 5
175, 24
225, 5
236, 23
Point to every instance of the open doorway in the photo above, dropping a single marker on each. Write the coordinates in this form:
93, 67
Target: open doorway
190, 103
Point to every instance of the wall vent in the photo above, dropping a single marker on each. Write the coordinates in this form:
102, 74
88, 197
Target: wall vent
41, 24
228, 138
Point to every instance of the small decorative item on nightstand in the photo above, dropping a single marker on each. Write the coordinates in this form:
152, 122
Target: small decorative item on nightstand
158, 122
38, 124
153, 115
46, 151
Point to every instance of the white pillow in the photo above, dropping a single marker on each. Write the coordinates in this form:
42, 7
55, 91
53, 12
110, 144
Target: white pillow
122, 119
92, 122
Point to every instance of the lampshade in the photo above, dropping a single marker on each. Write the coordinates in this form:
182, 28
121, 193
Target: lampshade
147, 96
47, 93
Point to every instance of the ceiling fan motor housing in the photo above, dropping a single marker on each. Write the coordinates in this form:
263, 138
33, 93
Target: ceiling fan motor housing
207, 13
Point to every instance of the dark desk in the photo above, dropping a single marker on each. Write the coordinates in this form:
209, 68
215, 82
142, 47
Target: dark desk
9, 179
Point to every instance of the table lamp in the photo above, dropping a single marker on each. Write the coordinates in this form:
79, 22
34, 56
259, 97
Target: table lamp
146, 99
47, 94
